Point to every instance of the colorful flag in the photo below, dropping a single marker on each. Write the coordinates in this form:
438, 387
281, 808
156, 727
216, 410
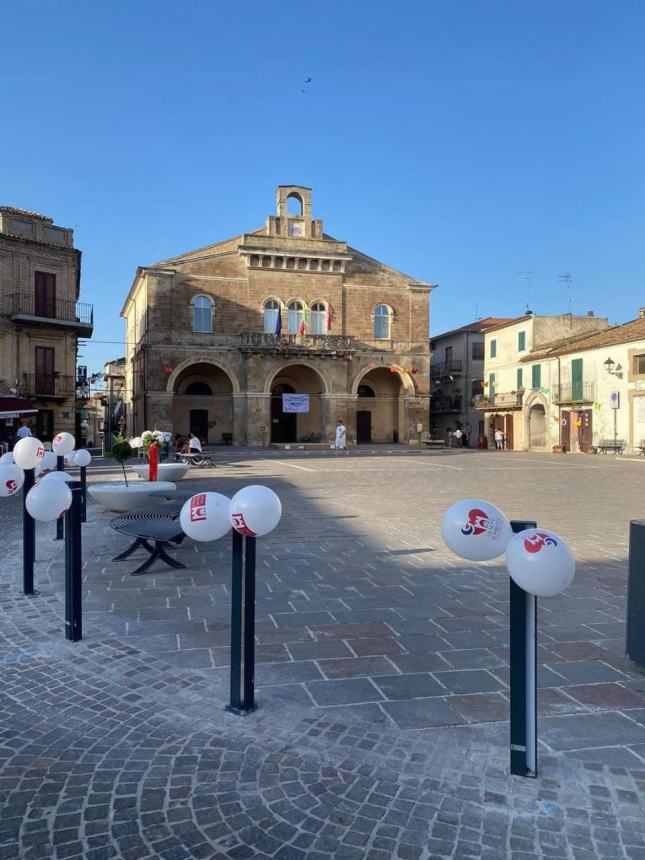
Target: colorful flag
330, 316
278, 321
305, 321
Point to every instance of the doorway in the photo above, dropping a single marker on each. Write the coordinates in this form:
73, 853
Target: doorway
45, 425
363, 427
537, 426
284, 425
586, 429
198, 423
565, 430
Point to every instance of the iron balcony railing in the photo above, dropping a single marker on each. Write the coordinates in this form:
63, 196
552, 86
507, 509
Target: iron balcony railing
498, 400
446, 368
47, 385
445, 404
50, 308
574, 392
260, 341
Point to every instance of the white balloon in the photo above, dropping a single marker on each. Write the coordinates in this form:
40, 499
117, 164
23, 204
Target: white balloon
476, 530
63, 443
540, 562
12, 478
82, 457
255, 510
137, 442
69, 460
7, 458
204, 517
28, 452
58, 476
49, 462
48, 500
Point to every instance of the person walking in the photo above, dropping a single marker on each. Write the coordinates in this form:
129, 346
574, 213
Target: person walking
457, 436
24, 430
341, 437
499, 439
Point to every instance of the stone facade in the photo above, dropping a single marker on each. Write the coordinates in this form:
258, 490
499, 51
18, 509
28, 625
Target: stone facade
40, 318
216, 337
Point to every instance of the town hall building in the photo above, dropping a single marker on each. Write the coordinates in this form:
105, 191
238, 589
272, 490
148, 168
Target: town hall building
221, 338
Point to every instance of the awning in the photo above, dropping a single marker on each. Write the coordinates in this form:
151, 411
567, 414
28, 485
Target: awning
14, 407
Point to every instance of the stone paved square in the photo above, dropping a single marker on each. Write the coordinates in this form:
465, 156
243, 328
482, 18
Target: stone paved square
382, 676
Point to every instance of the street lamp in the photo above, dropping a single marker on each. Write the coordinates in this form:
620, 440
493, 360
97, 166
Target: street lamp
610, 364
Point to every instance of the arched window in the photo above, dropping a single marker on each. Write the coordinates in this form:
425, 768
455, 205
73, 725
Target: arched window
202, 314
199, 388
382, 322
294, 204
296, 316
318, 318
272, 317
365, 391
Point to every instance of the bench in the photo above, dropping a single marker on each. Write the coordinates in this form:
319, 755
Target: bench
434, 443
154, 529
617, 446
199, 458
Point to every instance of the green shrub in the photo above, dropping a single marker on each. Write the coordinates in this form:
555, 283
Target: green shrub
121, 451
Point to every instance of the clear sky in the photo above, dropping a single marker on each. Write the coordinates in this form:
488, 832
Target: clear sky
462, 142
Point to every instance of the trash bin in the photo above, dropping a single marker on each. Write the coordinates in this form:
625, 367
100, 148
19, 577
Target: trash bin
635, 644
395, 437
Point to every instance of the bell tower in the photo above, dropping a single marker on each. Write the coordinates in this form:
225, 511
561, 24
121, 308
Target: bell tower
296, 224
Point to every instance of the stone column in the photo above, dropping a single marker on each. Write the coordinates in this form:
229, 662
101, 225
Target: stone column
333, 407
158, 411
416, 410
258, 418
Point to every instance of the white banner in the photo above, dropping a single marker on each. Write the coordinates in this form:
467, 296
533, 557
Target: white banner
295, 403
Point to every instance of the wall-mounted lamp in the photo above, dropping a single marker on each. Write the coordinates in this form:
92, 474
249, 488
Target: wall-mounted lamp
613, 369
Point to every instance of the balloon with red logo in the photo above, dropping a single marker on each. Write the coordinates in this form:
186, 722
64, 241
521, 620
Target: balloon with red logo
48, 500
69, 459
57, 476
82, 457
63, 444
540, 562
11, 479
204, 517
48, 463
476, 530
28, 452
255, 510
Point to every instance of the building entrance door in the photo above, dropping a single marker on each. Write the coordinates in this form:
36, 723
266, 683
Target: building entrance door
284, 425
586, 429
363, 427
45, 425
198, 421
565, 430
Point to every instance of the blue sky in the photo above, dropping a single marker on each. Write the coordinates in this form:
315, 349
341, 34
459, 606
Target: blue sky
460, 142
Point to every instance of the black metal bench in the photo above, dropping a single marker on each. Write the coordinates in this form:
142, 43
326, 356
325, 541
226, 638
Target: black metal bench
199, 458
615, 445
154, 529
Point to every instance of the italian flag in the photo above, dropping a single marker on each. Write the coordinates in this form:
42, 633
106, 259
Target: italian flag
305, 321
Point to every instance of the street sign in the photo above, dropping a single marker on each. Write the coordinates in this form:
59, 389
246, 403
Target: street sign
614, 399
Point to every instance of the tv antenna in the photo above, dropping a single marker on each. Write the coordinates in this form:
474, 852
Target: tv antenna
567, 279
526, 277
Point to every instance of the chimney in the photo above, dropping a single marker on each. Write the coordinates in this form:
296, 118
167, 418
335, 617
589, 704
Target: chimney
641, 313
590, 314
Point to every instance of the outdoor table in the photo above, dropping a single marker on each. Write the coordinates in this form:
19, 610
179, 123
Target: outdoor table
154, 529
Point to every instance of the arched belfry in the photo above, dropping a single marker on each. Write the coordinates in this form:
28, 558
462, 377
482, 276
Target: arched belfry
294, 216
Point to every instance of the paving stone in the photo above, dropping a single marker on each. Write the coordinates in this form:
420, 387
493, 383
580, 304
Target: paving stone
408, 686
590, 730
343, 692
370, 647
469, 681
421, 713
355, 667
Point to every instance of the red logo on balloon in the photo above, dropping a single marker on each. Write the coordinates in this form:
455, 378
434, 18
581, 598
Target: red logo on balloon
198, 508
40, 453
11, 485
239, 524
536, 540
480, 523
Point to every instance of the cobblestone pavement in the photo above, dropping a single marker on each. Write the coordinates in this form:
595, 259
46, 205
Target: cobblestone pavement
382, 678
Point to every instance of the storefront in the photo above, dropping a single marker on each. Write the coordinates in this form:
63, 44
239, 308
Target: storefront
12, 411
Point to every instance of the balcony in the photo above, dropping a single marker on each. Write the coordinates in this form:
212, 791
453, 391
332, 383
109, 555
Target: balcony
499, 400
325, 344
49, 385
580, 392
445, 405
22, 307
445, 369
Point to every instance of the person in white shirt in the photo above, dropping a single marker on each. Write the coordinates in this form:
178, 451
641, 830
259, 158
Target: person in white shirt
457, 434
341, 437
194, 444
23, 431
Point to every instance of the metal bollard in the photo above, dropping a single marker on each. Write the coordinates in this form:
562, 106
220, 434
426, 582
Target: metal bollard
73, 567
60, 467
83, 470
28, 537
635, 639
242, 689
523, 636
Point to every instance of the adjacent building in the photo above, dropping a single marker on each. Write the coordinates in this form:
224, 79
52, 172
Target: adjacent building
41, 320
521, 377
457, 374
222, 339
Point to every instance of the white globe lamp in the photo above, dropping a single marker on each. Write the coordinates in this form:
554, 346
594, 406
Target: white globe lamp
476, 530
255, 510
28, 452
204, 517
48, 500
